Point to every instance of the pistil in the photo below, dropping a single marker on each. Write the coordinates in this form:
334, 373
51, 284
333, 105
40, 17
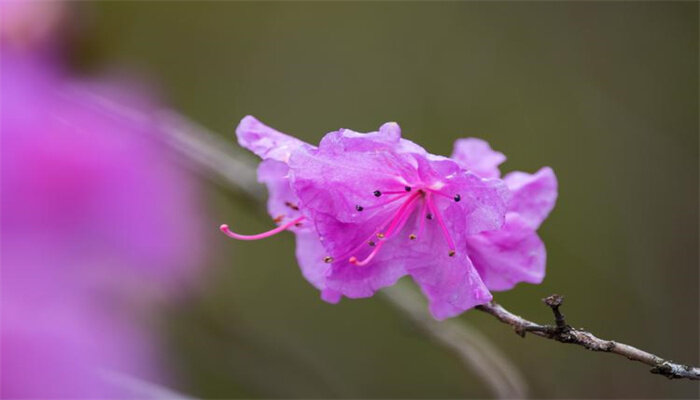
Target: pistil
225, 229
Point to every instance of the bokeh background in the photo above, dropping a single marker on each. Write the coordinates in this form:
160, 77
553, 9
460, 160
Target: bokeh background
604, 93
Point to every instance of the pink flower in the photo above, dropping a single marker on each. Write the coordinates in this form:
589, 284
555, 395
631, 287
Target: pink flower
97, 217
370, 208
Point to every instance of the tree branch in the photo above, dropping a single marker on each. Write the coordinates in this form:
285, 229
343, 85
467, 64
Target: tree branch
562, 332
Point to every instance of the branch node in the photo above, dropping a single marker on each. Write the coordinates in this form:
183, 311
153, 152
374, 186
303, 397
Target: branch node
554, 301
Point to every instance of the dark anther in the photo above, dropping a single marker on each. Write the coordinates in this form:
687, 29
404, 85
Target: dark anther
359, 207
458, 197
377, 193
371, 243
451, 253
429, 216
291, 205
407, 188
327, 259
412, 236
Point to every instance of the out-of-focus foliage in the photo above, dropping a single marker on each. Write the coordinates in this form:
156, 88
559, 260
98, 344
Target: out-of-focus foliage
605, 93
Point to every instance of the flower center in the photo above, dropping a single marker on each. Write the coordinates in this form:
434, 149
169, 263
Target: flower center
422, 200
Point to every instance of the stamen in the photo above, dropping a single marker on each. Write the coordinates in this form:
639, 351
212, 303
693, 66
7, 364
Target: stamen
429, 216
377, 193
397, 221
457, 197
422, 217
407, 188
382, 204
396, 192
371, 243
445, 231
224, 228
291, 205
401, 216
327, 259
353, 260
359, 207
278, 219
380, 226
412, 236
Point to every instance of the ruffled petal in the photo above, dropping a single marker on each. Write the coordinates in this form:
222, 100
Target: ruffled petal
360, 282
310, 255
534, 195
266, 142
451, 284
336, 183
508, 256
282, 203
344, 240
388, 138
483, 202
476, 155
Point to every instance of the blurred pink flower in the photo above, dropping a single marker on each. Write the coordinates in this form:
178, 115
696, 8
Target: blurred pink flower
96, 217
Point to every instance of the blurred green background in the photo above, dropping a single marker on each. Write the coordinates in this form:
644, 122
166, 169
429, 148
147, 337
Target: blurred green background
605, 93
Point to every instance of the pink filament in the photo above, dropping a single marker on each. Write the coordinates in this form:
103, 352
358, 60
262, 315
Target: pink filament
445, 232
361, 263
224, 228
403, 194
396, 221
421, 218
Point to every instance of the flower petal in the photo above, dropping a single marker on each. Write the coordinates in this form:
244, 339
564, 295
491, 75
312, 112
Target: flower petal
266, 142
509, 255
310, 255
343, 240
388, 138
282, 202
476, 155
483, 201
534, 195
451, 284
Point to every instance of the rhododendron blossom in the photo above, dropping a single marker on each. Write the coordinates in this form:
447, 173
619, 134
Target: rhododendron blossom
370, 208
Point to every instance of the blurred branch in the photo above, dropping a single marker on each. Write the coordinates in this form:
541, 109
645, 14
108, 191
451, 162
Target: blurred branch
472, 347
140, 389
206, 149
219, 159
564, 333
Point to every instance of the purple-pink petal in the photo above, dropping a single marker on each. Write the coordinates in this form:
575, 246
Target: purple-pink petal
310, 254
282, 202
451, 284
534, 195
476, 155
508, 256
266, 142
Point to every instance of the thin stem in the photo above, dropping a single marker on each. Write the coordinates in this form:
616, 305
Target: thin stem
564, 333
